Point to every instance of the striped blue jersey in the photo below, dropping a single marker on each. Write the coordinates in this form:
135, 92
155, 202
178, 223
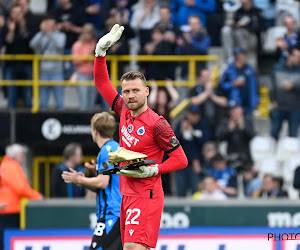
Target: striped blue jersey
108, 199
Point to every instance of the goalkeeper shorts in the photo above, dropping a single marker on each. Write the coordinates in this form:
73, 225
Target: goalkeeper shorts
140, 220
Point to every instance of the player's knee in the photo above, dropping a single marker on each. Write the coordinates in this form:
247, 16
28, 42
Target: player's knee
133, 246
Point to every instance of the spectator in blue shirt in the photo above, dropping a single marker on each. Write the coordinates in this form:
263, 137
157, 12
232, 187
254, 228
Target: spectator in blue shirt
240, 83
225, 175
93, 12
290, 40
182, 9
250, 179
192, 132
194, 41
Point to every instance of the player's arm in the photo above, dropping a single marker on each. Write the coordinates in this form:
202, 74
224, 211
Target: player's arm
166, 139
101, 76
77, 178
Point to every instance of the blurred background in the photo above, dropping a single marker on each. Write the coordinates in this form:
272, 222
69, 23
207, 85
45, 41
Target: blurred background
224, 73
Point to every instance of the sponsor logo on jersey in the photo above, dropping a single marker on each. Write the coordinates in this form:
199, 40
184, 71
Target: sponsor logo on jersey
127, 138
141, 130
130, 128
174, 142
131, 231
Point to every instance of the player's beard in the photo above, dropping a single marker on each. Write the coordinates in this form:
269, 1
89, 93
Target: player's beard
136, 106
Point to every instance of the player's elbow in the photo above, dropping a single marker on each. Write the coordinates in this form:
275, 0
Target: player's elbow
184, 161
102, 185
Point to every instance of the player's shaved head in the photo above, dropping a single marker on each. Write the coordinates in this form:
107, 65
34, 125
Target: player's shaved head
104, 124
132, 75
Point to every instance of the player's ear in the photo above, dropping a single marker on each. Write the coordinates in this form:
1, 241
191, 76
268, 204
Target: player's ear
147, 91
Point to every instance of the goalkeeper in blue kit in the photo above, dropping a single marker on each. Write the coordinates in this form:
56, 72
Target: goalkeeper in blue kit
107, 234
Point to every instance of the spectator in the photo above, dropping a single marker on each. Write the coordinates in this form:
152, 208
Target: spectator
84, 69
194, 41
165, 23
69, 19
2, 25
32, 21
270, 189
209, 150
224, 174
290, 40
50, 41
159, 45
215, 22
250, 179
245, 33
163, 99
240, 84
73, 159
124, 9
285, 93
192, 132
212, 102
211, 190
237, 131
145, 15
14, 186
182, 9
269, 11
94, 15
5, 6
17, 42
296, 182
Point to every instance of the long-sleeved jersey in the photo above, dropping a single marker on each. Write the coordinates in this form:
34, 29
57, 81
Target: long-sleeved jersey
147, 133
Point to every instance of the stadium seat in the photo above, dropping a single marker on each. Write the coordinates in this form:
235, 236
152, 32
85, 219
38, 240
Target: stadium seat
269, 165
262, 147
288, 147
292, 192
289, 167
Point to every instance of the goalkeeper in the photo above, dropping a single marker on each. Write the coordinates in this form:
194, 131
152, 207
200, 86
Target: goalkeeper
107, 232
143, 131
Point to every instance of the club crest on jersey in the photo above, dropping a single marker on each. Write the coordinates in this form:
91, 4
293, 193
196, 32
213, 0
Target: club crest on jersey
141, 130
130, 128
105, 165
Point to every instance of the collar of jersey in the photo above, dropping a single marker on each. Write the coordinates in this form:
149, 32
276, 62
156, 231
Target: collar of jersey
134, 117
107, 142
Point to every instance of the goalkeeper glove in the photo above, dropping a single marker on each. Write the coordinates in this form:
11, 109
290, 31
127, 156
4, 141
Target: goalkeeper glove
108, 40
142, 172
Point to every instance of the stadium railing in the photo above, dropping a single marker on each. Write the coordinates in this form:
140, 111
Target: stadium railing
114, 60
262, 111
45, 163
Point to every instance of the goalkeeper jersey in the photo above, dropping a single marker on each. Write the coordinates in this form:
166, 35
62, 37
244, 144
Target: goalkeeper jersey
147, 133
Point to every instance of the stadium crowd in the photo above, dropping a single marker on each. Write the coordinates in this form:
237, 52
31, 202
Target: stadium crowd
246, 30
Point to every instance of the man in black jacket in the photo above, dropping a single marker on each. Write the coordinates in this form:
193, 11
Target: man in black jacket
237, 131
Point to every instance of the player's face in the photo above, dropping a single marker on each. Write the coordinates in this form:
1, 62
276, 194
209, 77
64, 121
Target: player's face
134, 94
